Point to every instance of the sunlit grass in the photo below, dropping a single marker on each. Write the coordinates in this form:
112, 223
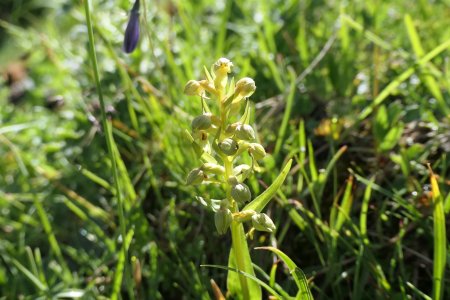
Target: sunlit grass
93, 196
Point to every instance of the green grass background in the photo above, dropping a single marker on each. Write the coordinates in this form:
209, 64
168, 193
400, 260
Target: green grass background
357, 92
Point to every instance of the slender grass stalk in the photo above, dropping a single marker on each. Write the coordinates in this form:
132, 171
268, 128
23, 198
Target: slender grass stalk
287, 114
440, 240
67, 276
110, 145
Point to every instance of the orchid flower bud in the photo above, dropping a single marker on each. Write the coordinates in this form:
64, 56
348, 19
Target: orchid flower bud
193, 88
228, 146
263, 222
202, 122
241, 169
213, 168
232, 180
245, 132
222, 219
241, 193
257, 151
208, 86
131, 38
244, 216
221, 69
195, 177
231, 129
222, 66
245, 87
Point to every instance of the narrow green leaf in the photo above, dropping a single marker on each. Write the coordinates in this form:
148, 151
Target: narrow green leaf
381, 123
275, 286
67, 276
29, 275
304, 292
417, 291
207, 74
440, 240
239, 258
261, 201
391, 138
312, 162
302, 153
322, 178
364, 209
447, 204
345, 207
255, 279
297, 273
287, 114
428, 79
394, 84
121, 264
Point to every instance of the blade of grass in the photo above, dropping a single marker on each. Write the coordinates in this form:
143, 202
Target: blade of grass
297, 273
109, 141
32, 261
261, 201
95, 227
286, 115
401, 78
40, 266
28, 274
250, 276
302, 153
428, 79
301, 39
344, 212
447, 204
358, 286
440, 239
121, 262
322, 178
417, 291
275, 286
67, 276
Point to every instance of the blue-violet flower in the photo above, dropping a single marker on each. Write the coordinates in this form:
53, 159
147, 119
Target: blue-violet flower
132, 32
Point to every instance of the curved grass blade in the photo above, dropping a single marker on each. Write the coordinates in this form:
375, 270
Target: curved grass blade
394, 84
261, 201
121, 265
41, 286
273, 284
300, 279
440, 240
417, 291
252, 277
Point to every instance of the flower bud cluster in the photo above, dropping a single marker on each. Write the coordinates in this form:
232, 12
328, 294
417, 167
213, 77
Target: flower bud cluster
222, 135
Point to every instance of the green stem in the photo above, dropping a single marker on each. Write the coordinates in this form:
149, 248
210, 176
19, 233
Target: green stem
236, 236
237, 229
109, 138
237, 232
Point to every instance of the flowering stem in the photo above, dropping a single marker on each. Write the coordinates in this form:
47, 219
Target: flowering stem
109, 142
237, 232
236, 237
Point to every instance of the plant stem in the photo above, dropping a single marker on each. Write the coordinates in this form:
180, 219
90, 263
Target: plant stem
236, 236
108, 136
237, 232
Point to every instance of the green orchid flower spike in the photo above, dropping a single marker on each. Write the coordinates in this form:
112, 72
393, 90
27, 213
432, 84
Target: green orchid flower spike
222, 137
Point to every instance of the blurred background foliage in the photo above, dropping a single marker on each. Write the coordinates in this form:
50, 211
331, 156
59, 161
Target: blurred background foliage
321, 67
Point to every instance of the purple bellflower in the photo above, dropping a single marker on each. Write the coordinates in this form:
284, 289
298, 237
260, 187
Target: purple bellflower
132, 32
